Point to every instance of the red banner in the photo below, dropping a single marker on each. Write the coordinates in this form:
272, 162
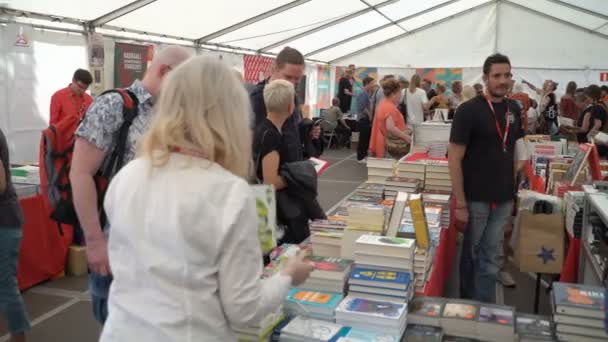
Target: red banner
257, 68
604, 76
130, 63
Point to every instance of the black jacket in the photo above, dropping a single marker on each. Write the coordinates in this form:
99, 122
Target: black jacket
311, 148
298, 203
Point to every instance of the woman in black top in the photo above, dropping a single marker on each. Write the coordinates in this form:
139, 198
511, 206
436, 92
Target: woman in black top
345, 90
11, 303
548, 106
593, 116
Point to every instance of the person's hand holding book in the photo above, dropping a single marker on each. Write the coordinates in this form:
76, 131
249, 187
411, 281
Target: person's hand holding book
298, 269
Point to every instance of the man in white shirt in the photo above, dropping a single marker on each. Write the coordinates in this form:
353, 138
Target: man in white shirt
416, 101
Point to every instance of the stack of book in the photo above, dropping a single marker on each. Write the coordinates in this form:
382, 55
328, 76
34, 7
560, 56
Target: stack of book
305, 329
423, 259
326, 243
578, 312
459, 318
394, 185
532, 328
329, 274
377, 284
438, 149
261, 331
437, 176
431, 199
328, 225
370, 189
384, 252
362, 219
414, 170
574, 202
496, 323
415, 333
426, 311
381, 316
430, 131
312, 304
379, 169
349, 334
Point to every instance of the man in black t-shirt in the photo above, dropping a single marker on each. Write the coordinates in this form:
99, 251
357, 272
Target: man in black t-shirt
482, 168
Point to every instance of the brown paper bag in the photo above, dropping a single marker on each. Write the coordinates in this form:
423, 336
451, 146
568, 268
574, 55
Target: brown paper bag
539, 246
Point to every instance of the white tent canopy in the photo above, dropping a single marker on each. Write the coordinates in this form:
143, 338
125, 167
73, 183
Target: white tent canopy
553, 34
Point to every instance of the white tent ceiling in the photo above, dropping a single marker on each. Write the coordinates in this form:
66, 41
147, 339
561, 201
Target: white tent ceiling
390, 33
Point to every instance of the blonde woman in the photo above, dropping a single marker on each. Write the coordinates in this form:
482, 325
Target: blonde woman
184, 250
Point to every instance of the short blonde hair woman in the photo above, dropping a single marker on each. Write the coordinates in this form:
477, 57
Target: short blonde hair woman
184, 250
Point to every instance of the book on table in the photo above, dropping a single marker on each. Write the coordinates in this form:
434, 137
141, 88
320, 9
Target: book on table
383, 163
533, 328
383, 316
422, 333
419, 221
306, 329
411, 167
326, 237
496, 323
384, 262
349, 334
397, 214
329, 268
426, 311
378, 172
459, 318
386, 246
578, 300
312, 303
380, 297
380, 278
349, 241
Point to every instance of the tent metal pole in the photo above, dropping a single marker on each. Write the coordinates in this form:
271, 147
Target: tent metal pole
580, 9
550, 17
497, 27
331, 46
420, 29
33, 15
326, 25
42, 27
383, 15
247, 22
119, 12
600, 27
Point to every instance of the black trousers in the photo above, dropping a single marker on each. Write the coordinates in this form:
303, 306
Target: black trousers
365, 132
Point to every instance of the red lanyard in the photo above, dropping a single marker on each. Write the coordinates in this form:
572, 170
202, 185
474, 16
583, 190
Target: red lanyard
502, 136
187, 151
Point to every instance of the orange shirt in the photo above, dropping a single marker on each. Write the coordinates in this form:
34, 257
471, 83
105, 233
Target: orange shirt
385, 110
65, 103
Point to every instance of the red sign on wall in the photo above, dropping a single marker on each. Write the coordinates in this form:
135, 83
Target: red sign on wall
257, 68
604, 76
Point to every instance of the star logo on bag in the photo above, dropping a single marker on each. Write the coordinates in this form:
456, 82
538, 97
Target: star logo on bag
546, 254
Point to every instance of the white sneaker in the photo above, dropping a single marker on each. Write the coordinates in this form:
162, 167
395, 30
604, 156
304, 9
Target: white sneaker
363, 161
506, 279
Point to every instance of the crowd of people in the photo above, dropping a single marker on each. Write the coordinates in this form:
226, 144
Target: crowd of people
178, 257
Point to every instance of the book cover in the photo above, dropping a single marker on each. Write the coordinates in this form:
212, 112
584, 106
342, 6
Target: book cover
327, 300
461, 311
419, 220
388, 277
402, 181
426, 306
303, 327
349, 334
533, 325
372, 308
578, 296
496, 315
422, 333
266, 207
385, 241
328, 234
337, 265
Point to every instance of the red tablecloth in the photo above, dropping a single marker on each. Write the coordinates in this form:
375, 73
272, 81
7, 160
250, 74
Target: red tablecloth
43, 248
570, 270
445, 252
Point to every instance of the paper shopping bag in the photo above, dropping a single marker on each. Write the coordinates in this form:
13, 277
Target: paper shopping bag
539, 246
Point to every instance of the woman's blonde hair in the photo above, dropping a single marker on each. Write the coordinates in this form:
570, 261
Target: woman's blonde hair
415, 83
203, 107
468, 92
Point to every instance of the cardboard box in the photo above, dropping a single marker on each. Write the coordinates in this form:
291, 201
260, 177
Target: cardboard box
77, 261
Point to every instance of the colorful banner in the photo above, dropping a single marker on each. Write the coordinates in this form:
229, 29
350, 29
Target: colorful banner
444, 76
323, 84
360, 74
257, 68
130, 63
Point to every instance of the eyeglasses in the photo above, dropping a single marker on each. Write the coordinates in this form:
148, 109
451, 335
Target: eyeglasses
82, 86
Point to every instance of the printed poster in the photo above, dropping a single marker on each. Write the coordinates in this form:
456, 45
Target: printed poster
323, 95
257, 68
444, 76
130, 63
360, 74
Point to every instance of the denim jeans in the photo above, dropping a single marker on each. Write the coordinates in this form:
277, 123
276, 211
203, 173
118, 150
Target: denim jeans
11, 302
481, 250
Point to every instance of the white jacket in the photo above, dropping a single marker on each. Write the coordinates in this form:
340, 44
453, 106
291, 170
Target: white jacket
185, 254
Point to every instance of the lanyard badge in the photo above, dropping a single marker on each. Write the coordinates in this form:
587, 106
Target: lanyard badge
508, 117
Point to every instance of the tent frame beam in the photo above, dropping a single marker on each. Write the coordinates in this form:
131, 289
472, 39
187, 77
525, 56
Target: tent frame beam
362, 34
250, 21
119, 12
326, 25
417, 30
383, 15
580, 9
548, 16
